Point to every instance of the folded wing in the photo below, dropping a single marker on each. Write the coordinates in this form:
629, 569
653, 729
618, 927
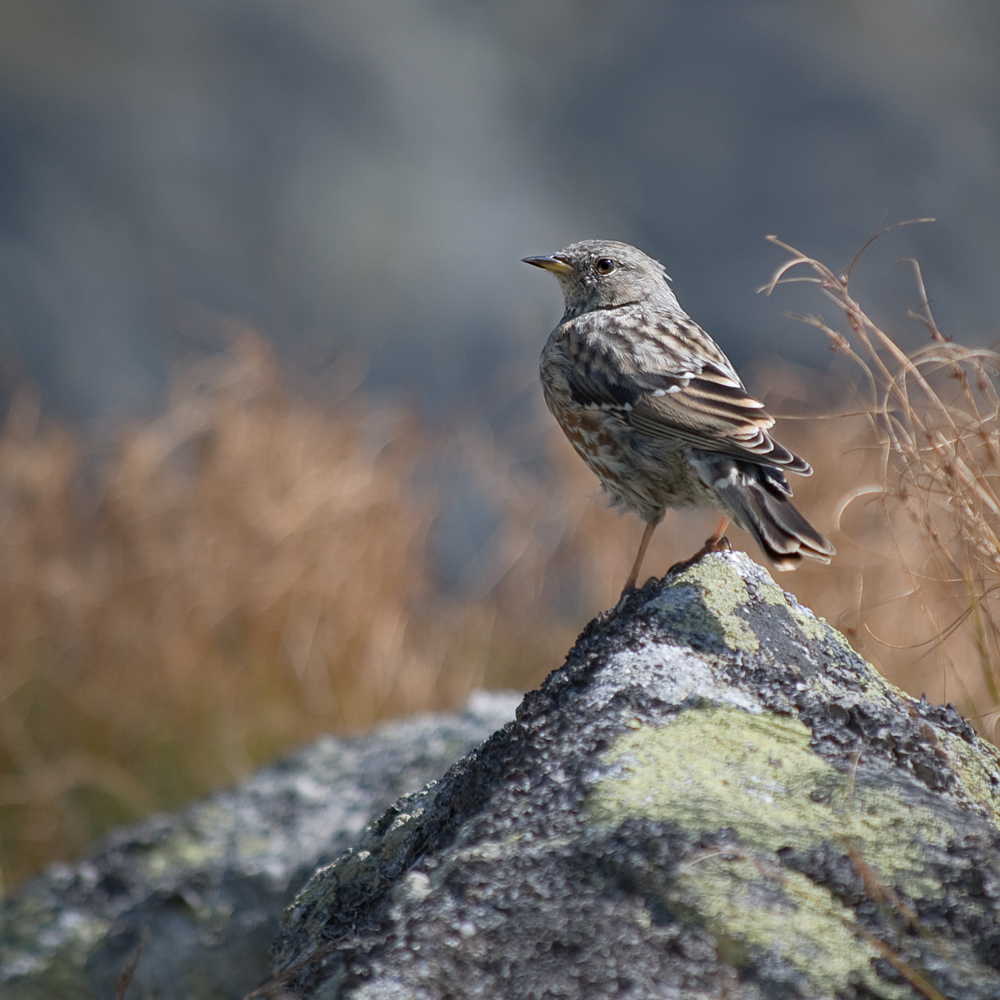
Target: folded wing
672, 381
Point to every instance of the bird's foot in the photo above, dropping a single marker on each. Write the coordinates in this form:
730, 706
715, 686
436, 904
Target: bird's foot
607, 617
717, 543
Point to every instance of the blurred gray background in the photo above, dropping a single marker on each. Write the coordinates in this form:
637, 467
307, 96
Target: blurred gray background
359, 178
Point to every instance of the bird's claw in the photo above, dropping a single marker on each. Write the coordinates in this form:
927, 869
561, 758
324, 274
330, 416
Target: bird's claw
606, 617
717, 543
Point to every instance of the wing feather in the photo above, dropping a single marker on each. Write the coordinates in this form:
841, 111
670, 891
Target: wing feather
672, 381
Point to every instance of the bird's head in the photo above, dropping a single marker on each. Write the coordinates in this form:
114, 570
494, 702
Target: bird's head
603, 274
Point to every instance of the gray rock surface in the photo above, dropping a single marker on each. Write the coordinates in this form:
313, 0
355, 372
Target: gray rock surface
206, 888
714, 797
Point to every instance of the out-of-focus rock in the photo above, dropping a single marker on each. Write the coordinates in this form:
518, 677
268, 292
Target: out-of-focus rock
204, 890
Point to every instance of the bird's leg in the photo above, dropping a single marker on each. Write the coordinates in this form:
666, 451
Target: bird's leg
640, 555
609, 616
716, 543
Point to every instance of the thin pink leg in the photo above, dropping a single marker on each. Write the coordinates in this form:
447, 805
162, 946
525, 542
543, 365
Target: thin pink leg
640, 555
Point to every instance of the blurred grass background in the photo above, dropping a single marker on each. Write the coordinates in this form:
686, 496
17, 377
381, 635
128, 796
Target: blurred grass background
254, 566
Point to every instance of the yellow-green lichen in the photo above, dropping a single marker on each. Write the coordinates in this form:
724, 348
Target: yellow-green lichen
816, 629
182, 849
977, 767
54, 964
253, 844
720, 767
722, 590
753, 911
771, 593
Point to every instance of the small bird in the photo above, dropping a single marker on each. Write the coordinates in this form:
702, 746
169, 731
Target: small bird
654, 407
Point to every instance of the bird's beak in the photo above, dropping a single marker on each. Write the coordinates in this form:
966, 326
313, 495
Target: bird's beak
553, 263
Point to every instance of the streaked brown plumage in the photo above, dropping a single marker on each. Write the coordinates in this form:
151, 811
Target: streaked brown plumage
654, 407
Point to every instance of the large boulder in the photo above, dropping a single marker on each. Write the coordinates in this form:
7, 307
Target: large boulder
714, 797
202, 892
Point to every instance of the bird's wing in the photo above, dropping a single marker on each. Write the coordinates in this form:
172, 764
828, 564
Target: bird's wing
673, 381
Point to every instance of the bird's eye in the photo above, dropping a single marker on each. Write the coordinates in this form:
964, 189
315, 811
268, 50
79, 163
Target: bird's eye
606, 265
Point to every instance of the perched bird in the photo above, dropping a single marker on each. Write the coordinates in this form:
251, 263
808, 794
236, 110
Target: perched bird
654, 407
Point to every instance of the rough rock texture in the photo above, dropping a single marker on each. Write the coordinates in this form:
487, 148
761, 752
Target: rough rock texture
207, 887
714, 797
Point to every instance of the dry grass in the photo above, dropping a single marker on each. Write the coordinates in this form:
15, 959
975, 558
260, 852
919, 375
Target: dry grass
251, 568
243, 576
244, 572
918, 500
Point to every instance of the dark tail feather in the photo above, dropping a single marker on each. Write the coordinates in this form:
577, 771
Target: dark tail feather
763, 508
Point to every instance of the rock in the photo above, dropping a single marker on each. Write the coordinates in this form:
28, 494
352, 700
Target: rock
206, 889
714, 797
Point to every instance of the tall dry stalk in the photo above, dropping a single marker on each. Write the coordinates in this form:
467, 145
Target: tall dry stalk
932, 437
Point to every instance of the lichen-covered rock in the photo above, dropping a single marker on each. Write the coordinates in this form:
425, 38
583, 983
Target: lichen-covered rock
714, 797
204, 890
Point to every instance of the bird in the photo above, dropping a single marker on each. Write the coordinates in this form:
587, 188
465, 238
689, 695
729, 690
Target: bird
655, 408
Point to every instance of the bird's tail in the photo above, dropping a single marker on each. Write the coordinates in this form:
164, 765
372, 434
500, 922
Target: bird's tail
757, 498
